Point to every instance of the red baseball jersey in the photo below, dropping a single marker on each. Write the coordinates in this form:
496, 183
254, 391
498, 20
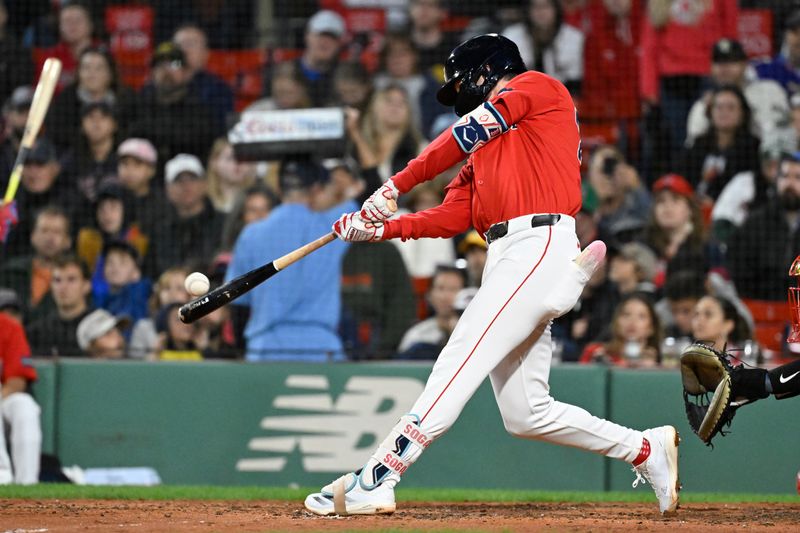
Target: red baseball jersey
15, 354
533, 167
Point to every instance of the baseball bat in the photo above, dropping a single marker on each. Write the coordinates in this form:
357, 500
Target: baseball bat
41, 102
208, 303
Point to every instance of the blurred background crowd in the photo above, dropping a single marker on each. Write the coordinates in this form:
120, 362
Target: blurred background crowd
691, 174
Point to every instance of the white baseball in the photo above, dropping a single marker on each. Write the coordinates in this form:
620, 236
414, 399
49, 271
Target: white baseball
196, 284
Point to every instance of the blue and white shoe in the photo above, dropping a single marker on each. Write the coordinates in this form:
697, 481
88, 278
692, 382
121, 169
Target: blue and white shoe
347, 495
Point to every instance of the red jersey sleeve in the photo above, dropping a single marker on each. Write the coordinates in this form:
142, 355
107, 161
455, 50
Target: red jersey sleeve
452, 217
15, 354
442, 153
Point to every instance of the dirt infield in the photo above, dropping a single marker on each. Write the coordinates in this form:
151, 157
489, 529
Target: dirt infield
192, 516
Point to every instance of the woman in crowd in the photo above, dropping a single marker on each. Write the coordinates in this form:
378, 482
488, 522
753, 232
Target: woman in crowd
635, 336
288, 90
227, 177
675, 230
549, 45
169, 289
253, 204
97, 81
385, 138
726, 149
717, 323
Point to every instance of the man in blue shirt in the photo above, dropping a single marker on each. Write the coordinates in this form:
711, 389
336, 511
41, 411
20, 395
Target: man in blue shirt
785, 67
295, 315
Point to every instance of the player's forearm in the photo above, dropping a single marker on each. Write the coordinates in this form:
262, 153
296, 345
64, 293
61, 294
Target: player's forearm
431, 223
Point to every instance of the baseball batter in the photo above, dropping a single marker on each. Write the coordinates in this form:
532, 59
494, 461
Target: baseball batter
520, 187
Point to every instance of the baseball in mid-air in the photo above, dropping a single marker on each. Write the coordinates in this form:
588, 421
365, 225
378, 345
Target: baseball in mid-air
196, 284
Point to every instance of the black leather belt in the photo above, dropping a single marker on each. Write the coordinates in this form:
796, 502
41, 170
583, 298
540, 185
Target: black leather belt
500, 230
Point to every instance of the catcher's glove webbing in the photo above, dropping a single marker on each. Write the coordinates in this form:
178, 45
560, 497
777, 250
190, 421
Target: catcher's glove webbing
706, 375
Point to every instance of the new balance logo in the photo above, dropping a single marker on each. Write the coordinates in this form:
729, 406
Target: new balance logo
331, 434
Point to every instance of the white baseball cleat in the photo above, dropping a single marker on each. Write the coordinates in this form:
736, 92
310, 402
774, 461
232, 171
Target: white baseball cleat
591, 257
661, 467
347, 496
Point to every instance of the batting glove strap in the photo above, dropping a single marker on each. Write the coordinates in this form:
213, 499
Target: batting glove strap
351, 228
376, 208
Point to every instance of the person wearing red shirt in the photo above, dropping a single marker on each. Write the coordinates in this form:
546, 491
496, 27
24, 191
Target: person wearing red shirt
75, 29
520, 187
18, 410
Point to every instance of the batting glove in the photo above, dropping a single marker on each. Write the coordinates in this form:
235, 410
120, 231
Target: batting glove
351, 228
376, 208
8, 218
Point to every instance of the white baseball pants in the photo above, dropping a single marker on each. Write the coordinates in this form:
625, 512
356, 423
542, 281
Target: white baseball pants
530, 278
20, 420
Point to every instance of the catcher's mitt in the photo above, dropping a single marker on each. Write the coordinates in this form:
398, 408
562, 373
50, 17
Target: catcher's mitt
707, 394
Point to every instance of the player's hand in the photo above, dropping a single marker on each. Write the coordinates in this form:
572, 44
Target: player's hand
378, 207
8, 218
351, 228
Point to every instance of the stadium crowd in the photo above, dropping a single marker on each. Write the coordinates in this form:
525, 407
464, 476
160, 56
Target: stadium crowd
691, 176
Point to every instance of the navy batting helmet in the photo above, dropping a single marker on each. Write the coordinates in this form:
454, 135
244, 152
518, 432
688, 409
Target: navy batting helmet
491, 56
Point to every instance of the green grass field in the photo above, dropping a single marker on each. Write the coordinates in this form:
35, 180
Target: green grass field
169, 492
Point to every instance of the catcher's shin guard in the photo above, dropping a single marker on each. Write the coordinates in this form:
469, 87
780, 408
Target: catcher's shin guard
405, 443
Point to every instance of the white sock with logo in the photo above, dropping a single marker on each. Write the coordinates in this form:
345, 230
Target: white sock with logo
405, 443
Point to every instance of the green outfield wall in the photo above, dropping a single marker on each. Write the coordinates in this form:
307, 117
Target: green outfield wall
284, 424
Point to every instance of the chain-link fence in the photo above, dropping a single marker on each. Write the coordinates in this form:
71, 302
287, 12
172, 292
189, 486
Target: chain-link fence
691, 173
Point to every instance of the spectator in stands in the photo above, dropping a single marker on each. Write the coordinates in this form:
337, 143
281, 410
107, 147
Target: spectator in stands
54, 334
212, 90
254, 204
633, 268
93, 162
433, 44
726, 149
169, 289
15, 115
610, 54
192, 231
400, 67
11, 305
767, 100
75, 28
178, 341
41, 186
19, 412
122, 290
110, 224
717, 322
385, 139
682, 290
293, 318
622, 199
675, 229
324, 38
136, 167
676, 37
100, 335
549, 45
32, 273
474, 249
635, 336
422, 256
15, 62
768, 241
784, 67
426, 339
171, 116
749, 190
352, 85
227, 176
97, 82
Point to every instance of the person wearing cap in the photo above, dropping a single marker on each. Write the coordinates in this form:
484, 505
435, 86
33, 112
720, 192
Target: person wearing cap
96, 81
192, 230
784, 68
30, 273
727, 148
296, 315
10, 304
120, 287
15, 115
54, 333
474, 249
324, 38
171, 115
768, 240
767, 99
100, 335
19, 412
675, 229
749, 190
210, 88
15, 61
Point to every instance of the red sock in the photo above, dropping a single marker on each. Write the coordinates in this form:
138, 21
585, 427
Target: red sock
644, 453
